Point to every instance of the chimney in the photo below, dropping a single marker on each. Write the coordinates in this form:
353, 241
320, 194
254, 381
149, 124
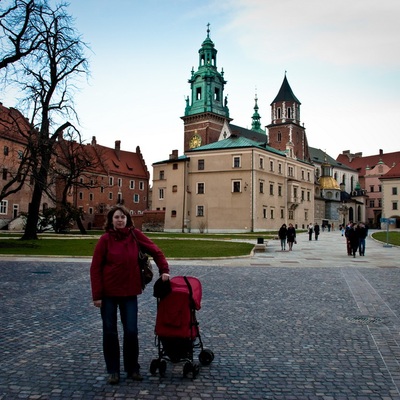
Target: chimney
94, 141
117, 147
380, 152
174, 155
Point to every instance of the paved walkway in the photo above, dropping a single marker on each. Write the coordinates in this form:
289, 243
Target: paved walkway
309, 324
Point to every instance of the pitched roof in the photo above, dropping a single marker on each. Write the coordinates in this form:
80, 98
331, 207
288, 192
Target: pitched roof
393, 173
234, 142
285, 93
248, 133
360, 163
319, 156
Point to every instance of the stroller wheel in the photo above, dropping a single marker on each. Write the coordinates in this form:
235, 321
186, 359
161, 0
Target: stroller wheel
206, 357
187, 368
162, 367
154, 366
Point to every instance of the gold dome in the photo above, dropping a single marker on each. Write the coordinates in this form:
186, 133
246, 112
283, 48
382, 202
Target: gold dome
327, 182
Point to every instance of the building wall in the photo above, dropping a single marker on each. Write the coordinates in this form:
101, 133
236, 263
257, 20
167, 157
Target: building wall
391, 200
210, 203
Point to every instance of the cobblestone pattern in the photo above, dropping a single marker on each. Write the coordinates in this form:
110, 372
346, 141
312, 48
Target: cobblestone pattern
277, 333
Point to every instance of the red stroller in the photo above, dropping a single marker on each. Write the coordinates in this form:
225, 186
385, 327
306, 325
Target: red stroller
177, 329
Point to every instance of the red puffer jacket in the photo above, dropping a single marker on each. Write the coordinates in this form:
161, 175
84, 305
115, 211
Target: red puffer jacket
115, 270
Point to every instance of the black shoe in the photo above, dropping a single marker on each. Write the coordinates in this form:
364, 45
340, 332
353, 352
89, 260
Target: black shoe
113, 379
135, 376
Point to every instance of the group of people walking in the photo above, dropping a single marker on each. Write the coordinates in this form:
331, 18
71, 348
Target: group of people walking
355, 237
355, 234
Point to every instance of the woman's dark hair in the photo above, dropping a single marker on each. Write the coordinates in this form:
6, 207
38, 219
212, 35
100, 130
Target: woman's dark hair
109, 225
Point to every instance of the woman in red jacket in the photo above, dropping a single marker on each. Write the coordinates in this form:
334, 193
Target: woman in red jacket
116, 282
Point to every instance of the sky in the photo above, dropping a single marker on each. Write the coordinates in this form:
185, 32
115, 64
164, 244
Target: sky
341, 58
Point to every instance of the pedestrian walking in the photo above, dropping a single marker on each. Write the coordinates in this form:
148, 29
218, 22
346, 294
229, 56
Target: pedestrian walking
116, 282
291, 236
282, 236
362, 233
310, 231
353, 239
316, 230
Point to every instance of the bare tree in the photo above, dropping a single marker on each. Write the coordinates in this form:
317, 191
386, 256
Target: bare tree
19, 36
48, 83
77, 168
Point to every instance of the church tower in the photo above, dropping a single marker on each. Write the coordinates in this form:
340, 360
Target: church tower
285, 131
206, 110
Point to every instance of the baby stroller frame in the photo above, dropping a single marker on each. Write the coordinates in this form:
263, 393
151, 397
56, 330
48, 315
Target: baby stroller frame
177, 329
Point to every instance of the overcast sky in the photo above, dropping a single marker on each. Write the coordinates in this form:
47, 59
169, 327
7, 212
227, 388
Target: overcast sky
342, 60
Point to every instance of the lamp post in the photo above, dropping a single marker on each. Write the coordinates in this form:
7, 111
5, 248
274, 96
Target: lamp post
343, 210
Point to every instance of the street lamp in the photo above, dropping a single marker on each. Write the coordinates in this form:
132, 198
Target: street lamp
343, 210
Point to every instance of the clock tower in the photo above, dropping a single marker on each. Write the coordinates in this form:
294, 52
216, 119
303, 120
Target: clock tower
206, 109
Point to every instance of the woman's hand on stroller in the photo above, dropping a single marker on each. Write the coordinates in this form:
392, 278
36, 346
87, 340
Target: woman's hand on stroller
164, 277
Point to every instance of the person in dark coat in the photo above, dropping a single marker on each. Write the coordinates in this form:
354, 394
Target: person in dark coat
282, 236
310, 231
316, 230
115, 278
353, 239
362, 232
291, 236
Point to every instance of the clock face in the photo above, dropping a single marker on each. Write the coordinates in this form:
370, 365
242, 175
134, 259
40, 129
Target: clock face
195, 141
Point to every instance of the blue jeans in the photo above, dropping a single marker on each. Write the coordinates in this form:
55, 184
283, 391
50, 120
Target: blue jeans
128, 309
361, 245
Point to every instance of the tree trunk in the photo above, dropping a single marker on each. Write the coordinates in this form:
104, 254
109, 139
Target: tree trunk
80, 226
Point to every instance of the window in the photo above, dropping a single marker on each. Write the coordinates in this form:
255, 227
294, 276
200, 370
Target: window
173, 213
6, 150
271, 189
295, 192
302, 175
236, 187
161, 193
119, 182
394, 205
290, 171
379, 188
272, 214
261, 163
161, 175
372, 203
200, 211
289, 112
236, 162
371, 189
200, 188
198, 93
306, 215
279, 137
5, 172
80, 195
279, 190
174, 166
282, 213
136, 198
308, 176
264, 212
3, 206
131, 184
102, 189
141, 185
279, 168
174, 188
261, 187
271, 166
91, 196
394, 190
308, 196
380, 203
302, 196
110, 181
291, 214
200, 165
91, 210
110, 196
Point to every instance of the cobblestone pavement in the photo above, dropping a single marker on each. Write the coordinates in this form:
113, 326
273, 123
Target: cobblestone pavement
308, 324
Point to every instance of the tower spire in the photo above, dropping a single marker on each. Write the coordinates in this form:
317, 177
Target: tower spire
256, 124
